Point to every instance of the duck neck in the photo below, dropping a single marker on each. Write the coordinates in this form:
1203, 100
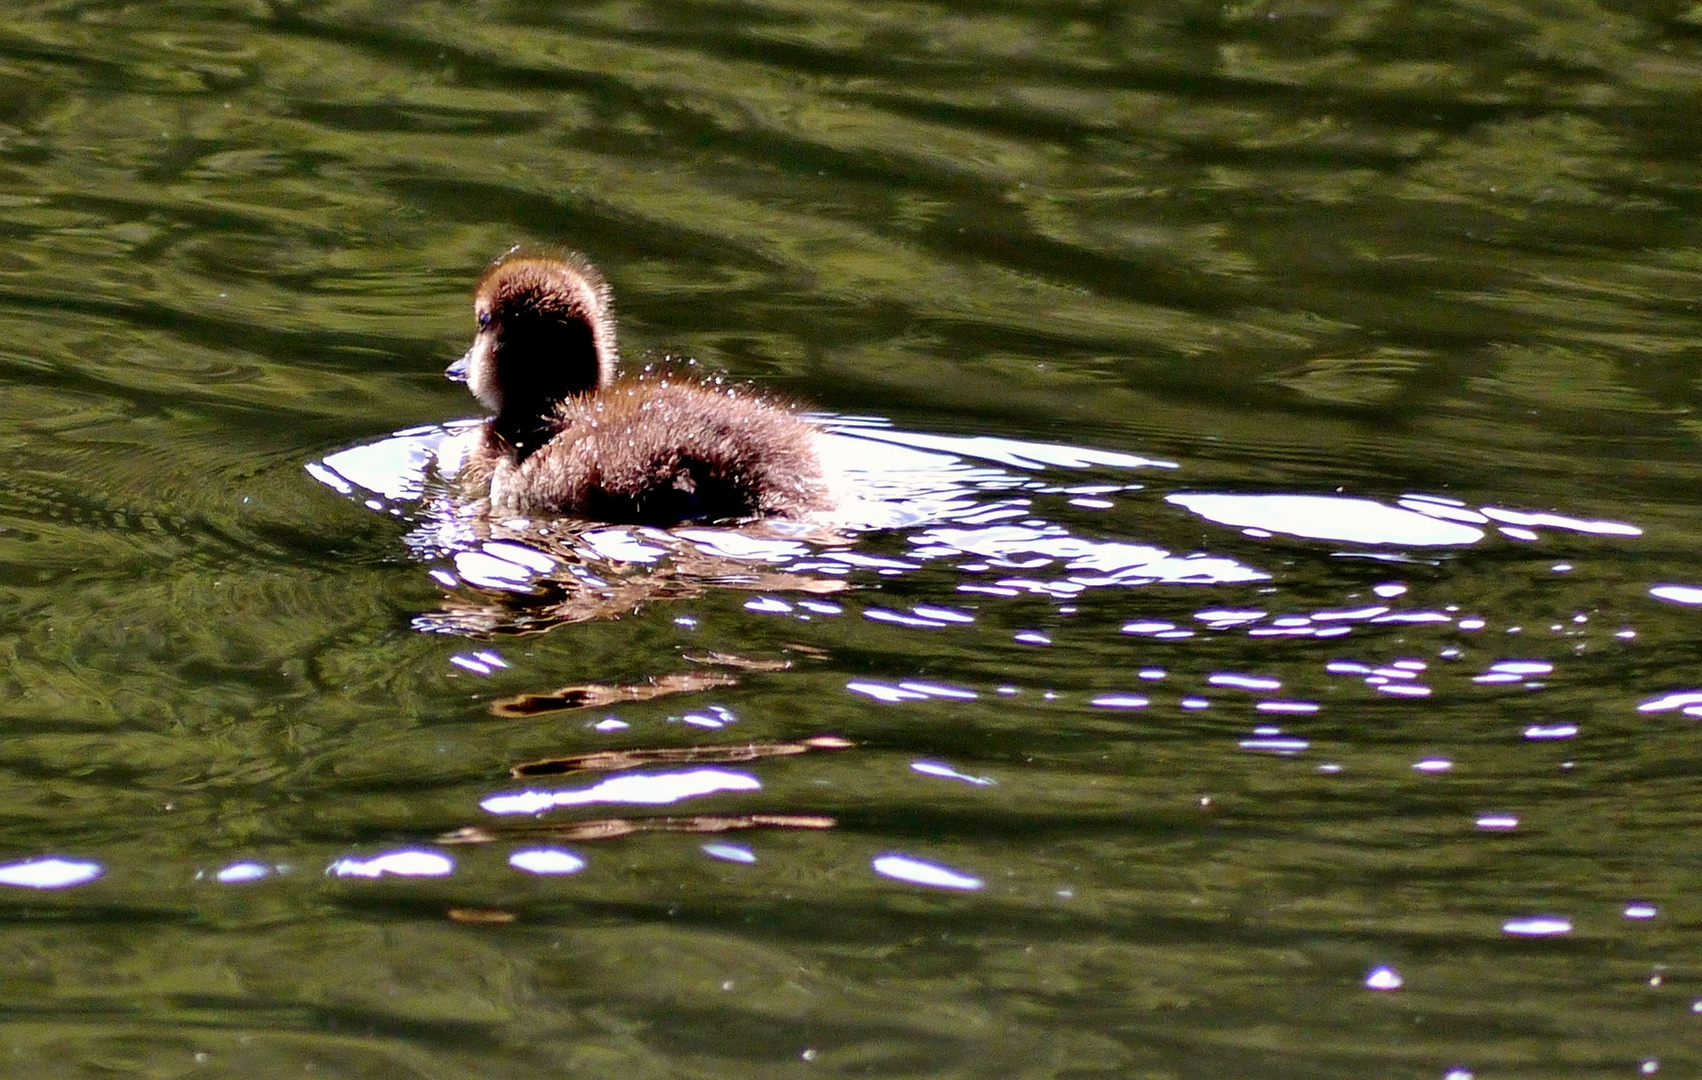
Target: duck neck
523, 433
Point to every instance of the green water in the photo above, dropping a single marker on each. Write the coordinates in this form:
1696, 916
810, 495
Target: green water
1329, 249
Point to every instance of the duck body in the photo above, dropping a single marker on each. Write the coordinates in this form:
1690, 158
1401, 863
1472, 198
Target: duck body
570, 439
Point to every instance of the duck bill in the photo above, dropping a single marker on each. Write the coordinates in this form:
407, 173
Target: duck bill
457, 372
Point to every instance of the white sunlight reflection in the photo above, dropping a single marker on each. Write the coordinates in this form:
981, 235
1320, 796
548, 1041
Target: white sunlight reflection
546, 861
1327, 517
49, 873
649, 789
921, 872
397, 863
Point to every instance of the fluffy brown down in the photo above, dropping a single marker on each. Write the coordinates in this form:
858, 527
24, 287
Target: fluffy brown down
659, 453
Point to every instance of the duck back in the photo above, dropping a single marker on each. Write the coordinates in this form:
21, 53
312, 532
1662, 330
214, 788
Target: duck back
662, 453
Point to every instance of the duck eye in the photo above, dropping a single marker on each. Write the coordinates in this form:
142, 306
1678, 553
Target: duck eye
484, 319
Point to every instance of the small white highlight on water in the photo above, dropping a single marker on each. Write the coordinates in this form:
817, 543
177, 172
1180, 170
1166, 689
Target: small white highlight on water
1120, 701
1433, 765
610, 723
951, 615
1538, 926
1384, 978
1641, 911
920, 872
939, 690
1227, 616
1244, 682
1284, 745
737, 853
946, 772
546, 861
883, 692
1404, 690
1551, 731
1498, 821
1346, 667
1147, 627
237, 873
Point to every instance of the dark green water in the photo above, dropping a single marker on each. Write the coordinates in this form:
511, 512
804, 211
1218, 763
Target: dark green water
1353, 250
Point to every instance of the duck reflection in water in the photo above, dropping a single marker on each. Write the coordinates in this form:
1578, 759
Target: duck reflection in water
571, 446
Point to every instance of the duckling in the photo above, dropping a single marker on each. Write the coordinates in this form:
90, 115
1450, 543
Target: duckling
568, 438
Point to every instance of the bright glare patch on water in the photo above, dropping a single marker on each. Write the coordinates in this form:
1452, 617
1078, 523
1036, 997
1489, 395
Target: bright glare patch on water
1329, 517
396, 863
49, 873
1677, 594
621, 545
1641, 911
1433, 765
648, 789
1498, 821
546, 860
921, 872
1120, 701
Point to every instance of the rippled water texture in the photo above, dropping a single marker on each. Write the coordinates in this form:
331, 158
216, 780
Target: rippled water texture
1266, 644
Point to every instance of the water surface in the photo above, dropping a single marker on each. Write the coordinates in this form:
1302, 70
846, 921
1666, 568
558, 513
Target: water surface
1272, 649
